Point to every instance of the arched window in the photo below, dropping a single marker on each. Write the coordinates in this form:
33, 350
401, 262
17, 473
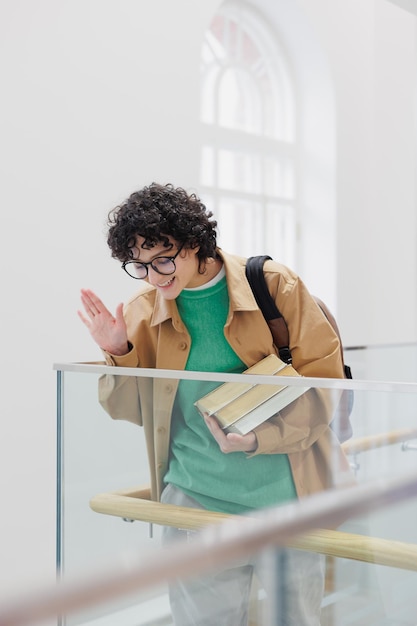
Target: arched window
248, 160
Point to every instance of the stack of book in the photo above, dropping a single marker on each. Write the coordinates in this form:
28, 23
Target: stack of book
240, 407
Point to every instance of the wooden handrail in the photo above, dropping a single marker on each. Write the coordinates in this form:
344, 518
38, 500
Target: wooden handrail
361, 444
129, 506
135, 504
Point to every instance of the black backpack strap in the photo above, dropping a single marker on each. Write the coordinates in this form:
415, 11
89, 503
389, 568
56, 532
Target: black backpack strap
266, 303
256, 278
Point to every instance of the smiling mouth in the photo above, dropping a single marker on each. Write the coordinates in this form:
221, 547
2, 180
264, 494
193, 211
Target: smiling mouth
167, 283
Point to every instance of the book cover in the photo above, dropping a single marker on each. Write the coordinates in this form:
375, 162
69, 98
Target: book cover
226, 392
240, 408
264, 411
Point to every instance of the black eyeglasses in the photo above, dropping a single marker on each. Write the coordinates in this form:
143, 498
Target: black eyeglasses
164, 265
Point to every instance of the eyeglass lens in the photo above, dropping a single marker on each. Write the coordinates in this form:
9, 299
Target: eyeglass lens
162, 265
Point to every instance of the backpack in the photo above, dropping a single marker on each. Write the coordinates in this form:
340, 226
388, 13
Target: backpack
279, 330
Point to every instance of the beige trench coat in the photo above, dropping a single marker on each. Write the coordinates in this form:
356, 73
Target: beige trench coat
160, 340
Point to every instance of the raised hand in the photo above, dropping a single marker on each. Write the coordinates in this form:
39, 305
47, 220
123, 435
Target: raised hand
108, 332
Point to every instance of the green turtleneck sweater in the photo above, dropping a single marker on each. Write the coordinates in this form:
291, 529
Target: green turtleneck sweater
230, 483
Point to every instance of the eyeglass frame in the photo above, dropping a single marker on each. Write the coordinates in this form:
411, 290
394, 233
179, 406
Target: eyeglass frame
145, 264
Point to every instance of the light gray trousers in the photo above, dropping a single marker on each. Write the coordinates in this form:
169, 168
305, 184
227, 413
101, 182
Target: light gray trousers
293, 581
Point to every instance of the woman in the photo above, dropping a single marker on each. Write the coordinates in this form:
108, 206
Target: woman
197, 312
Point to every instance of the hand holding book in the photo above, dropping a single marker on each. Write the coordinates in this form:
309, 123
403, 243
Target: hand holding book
230, 442
240, 407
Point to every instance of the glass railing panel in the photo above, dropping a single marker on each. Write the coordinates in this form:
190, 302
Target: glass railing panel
396, 362
360, 599
99, 455
369, 593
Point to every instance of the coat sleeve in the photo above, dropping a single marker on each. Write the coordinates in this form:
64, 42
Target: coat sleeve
119, 395
314, 345
298, 426
316, 352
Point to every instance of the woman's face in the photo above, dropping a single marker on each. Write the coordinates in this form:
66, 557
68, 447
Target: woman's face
185, 274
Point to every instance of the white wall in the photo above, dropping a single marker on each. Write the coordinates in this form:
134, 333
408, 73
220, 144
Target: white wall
100, 97
371, 47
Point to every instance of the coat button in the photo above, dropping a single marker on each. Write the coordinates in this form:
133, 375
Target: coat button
183, 345
161, 430
168, 389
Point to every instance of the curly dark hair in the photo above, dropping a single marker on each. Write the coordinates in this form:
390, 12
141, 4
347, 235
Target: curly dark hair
157, 212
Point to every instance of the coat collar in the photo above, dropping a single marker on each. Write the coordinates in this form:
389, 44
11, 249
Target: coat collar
240, 294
